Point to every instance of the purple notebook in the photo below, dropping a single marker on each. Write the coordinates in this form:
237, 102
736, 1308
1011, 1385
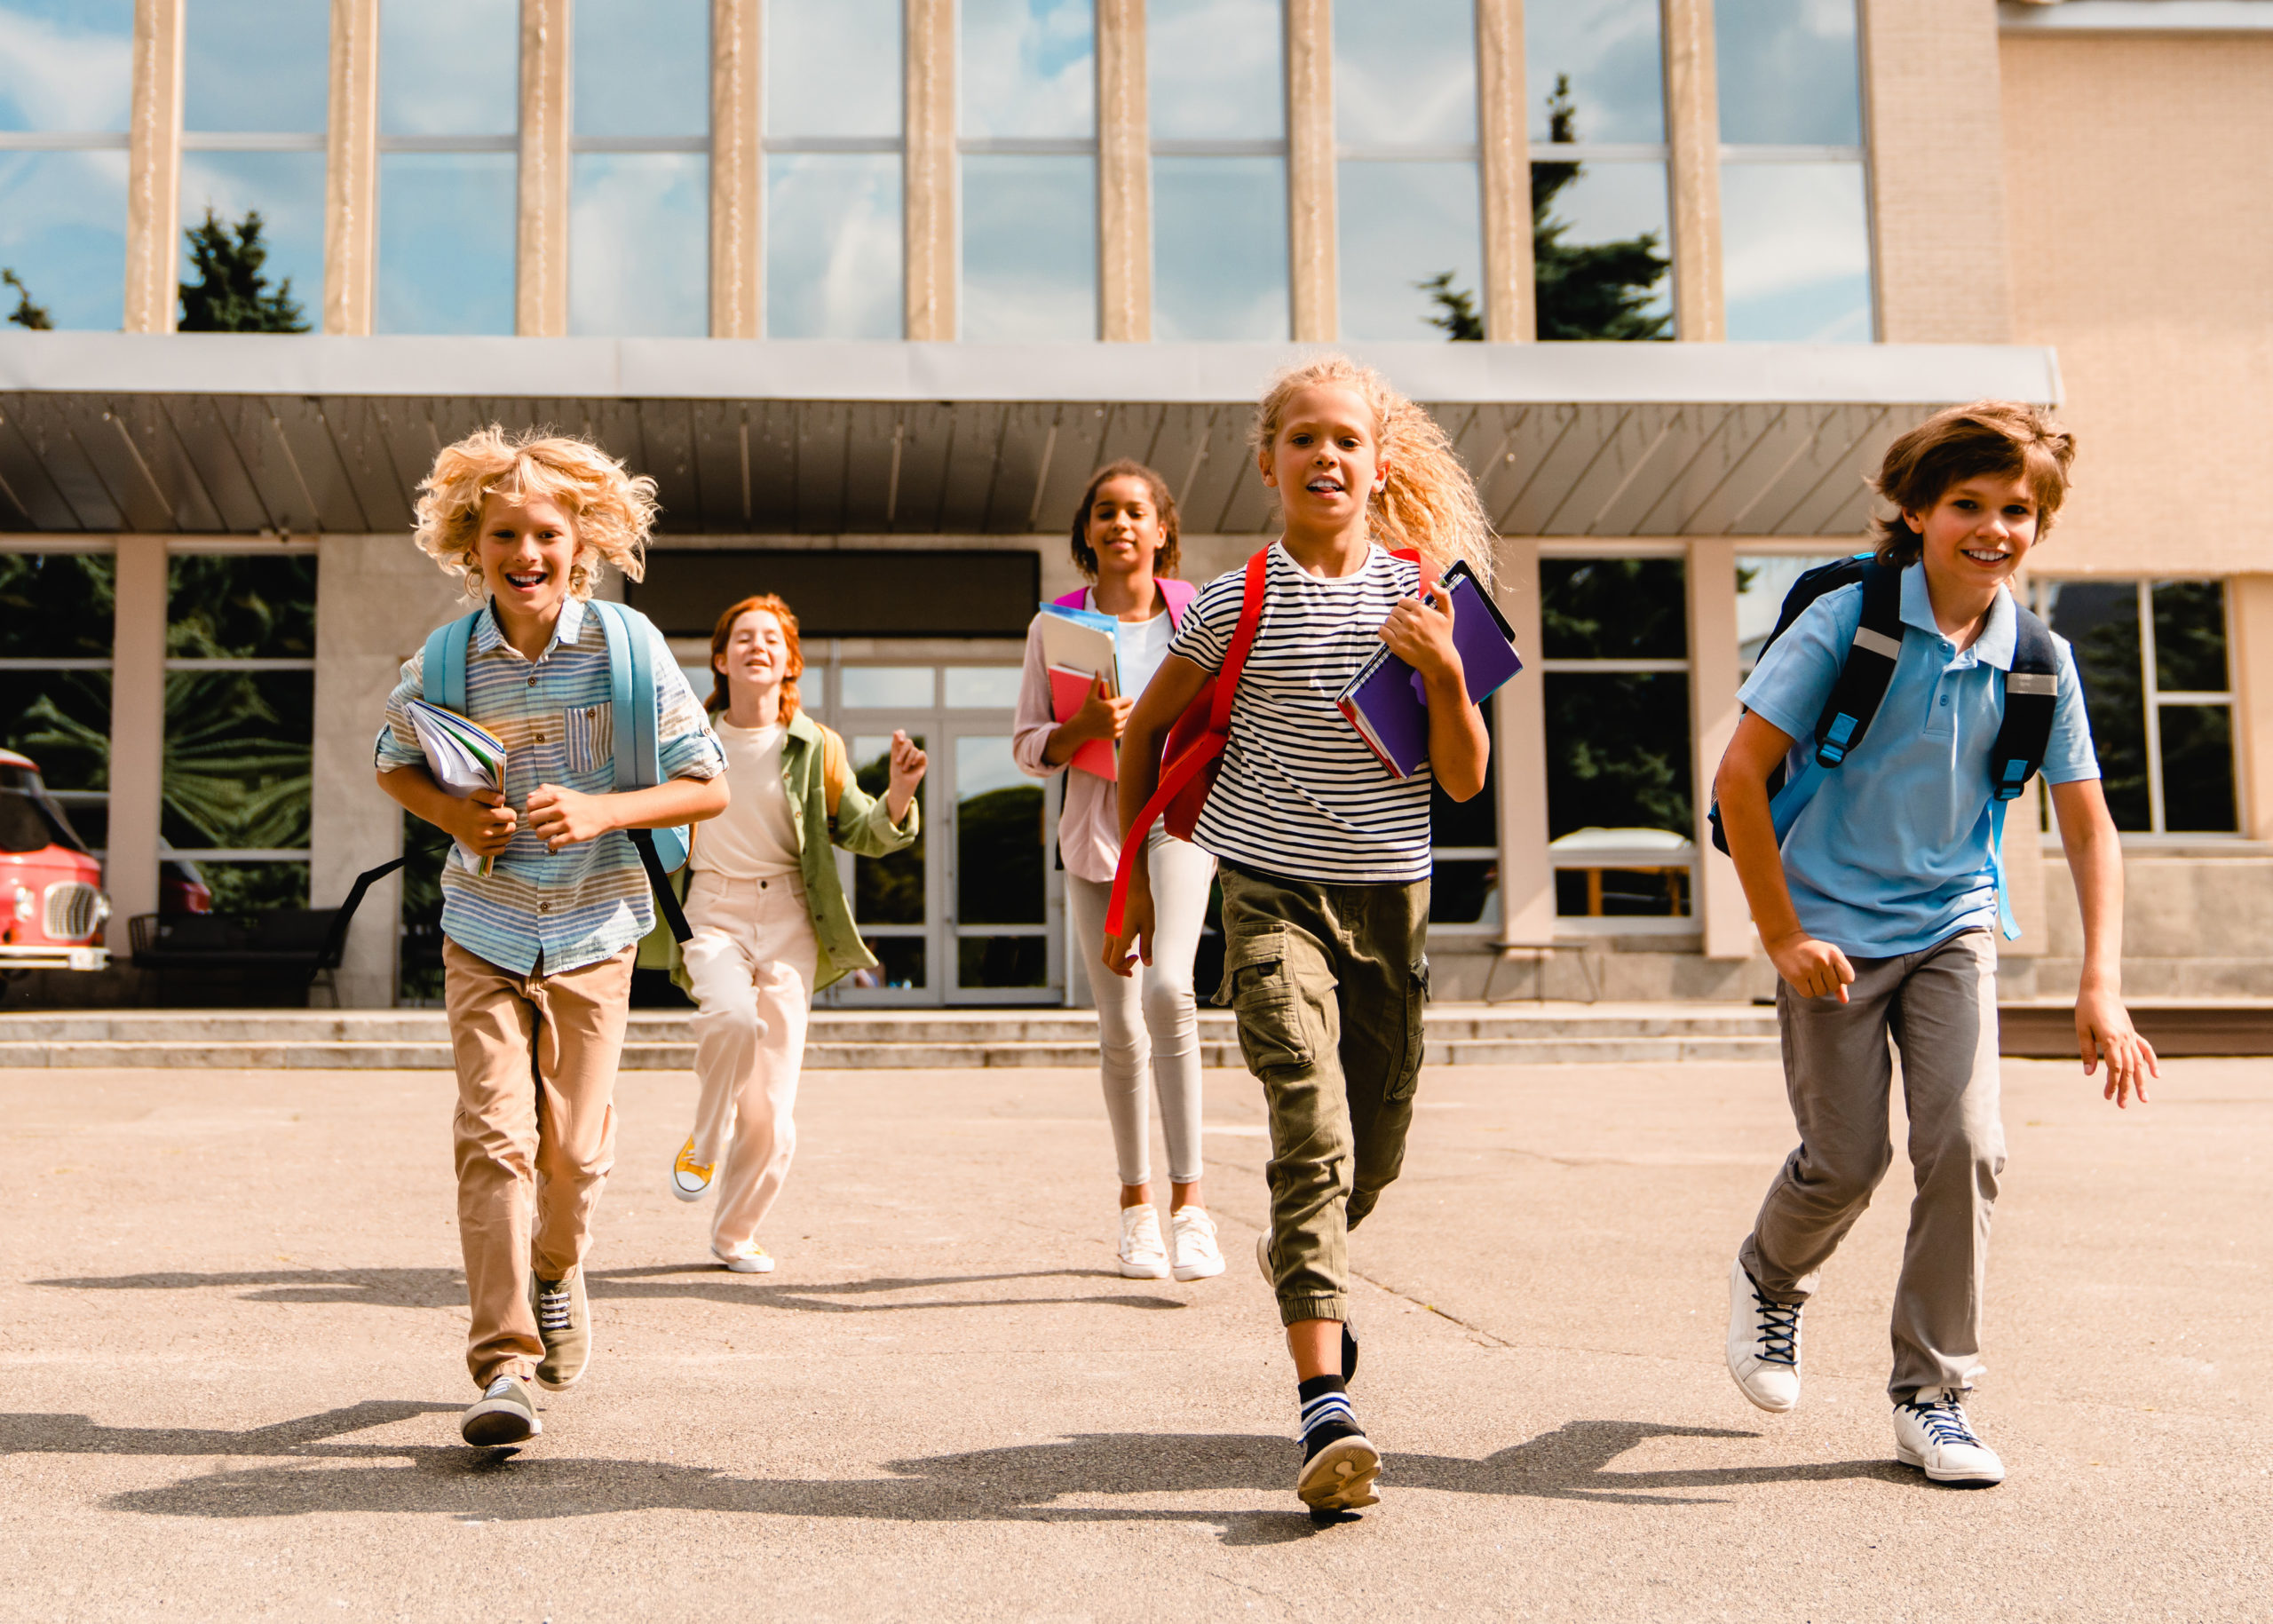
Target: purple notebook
1388, 704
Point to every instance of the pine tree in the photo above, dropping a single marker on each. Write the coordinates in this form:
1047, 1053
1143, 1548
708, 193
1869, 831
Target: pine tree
26, 314
230, 294
1456, 316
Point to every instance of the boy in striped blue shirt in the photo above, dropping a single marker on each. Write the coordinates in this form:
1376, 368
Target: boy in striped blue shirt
537, 951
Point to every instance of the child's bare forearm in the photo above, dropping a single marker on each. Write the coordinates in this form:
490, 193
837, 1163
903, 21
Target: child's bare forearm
666, 805
2094, 854
1460, 748
413, 788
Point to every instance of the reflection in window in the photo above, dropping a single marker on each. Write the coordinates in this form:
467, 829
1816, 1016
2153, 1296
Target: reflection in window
254, 65
1029, 247
1613, 609
1761, 583
1215, 70
58, 607
642, 68
2152, 657
1788, 73
285, 189
1608, 55
999, 871
639, 244
833, 69
834, 236
1598, 259
1029, 69
983, 688
64, 72
885, 688
888, 892
449, 108
1216, 80
1400, 226
1405, 72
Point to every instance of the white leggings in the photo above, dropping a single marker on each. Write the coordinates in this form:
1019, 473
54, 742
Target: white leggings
1150, 1015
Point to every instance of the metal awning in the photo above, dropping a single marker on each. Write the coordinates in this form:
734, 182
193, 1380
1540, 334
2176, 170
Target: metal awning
220, 434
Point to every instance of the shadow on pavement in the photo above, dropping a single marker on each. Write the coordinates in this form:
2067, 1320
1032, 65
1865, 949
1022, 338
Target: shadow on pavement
688, 1282
1023, 1482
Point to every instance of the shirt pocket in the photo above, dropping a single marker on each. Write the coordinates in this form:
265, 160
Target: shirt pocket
588, 731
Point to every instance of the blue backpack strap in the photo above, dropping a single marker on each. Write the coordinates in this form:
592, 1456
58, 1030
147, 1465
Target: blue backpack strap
1868, 667
442, 669
639, 760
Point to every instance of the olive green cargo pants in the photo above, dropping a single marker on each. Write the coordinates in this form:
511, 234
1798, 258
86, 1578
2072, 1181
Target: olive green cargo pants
1329, 982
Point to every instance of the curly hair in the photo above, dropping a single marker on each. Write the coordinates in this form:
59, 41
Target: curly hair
721, 696
1429, 501
1166, 558
2006, 438
613, 510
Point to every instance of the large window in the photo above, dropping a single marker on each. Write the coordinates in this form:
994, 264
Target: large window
833, 109
1599, 228
2153, 655
255, 86
1216, 79
64, 100
1410, 204
1796, 235
1614, 634
639, 185
1029, 124
449, 117
56, 614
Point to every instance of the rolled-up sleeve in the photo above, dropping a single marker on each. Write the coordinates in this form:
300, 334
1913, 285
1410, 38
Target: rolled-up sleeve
688, 749
1034, 721
397, 745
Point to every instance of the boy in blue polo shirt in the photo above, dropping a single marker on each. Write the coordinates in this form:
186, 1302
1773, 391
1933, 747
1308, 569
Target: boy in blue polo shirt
1878, 906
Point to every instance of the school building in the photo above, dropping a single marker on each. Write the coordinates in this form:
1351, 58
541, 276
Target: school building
870, 286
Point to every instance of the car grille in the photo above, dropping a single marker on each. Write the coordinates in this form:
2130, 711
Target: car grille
73, 911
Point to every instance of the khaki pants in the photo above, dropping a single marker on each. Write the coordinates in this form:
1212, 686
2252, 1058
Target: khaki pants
1328, 983
752, 960
536, 1060
1940, 1008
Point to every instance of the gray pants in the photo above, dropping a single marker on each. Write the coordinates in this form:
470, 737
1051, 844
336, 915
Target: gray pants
1148, 1023
1940, 1008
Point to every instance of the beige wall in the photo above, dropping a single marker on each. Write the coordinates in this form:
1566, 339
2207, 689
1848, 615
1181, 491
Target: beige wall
2139, 199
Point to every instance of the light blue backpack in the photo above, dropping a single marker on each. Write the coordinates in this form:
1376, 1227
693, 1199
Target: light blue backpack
631, 705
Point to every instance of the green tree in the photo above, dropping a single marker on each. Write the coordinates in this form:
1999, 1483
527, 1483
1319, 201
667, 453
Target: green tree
230, 294
1583, 290
26, 314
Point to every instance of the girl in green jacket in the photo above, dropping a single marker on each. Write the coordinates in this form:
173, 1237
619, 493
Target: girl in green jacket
770, 927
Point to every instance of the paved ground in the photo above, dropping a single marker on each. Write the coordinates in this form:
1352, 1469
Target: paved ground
231, 1329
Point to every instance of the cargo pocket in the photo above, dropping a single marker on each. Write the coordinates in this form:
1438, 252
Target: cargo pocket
1416, 1030
1260, 988
590, 737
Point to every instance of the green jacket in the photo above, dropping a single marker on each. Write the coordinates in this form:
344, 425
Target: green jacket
861, 826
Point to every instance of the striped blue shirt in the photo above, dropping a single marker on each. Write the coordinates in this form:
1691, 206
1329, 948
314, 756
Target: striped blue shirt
580, 905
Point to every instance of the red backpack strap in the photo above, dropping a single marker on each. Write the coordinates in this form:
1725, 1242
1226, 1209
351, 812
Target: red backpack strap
1422, 562
1227, 679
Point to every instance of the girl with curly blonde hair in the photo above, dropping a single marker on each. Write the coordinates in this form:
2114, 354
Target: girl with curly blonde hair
1324, 857
546, 898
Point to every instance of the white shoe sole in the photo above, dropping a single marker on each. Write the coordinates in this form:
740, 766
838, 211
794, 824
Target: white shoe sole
1142, 1271
1207, 1271
747, 1265
1340, 1477
1979, 1480
683, 1194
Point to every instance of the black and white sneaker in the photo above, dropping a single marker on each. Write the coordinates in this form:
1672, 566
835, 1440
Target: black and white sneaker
1763, 1344
1931, 1432
1339, 1461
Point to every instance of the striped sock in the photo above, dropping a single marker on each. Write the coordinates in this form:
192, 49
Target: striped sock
1325, 1413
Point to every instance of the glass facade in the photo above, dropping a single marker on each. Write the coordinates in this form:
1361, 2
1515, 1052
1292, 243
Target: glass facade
835, 247
56, 611
1216, 80
639, 181
1027, 122
64, 69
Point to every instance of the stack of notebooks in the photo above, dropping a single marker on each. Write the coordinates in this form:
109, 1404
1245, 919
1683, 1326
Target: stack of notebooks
1389, 705
1081, 645
463, 756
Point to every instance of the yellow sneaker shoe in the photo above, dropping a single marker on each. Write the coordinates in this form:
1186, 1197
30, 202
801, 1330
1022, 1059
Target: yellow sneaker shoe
690, 1178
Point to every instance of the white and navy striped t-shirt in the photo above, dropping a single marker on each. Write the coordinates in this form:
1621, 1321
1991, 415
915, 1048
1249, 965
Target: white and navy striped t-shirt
1300, 793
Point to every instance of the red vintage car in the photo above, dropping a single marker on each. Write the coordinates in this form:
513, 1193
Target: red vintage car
52, 901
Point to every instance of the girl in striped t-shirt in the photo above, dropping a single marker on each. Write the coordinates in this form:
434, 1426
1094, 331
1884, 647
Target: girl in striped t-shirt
1324, 857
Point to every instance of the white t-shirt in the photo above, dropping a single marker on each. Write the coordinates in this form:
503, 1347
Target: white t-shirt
753, 839
1142, 645
1300, 793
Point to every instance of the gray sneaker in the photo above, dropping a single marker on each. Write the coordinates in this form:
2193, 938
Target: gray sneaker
564, 1322
504, 1413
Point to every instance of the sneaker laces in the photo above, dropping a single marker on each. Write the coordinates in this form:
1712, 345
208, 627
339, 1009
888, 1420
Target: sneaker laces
1944, 1420
1777, 1327
554, 1307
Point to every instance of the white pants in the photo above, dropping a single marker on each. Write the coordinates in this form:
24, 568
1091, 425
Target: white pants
752, 959
1150, 1015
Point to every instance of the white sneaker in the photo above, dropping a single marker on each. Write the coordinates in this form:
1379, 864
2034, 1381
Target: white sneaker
1143, 1254
1931, 1432
1262, 1259
1763, 1344
751, 1259
689, 1179
1197, 1255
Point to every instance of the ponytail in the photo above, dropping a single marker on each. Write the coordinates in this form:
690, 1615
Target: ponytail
1429, 501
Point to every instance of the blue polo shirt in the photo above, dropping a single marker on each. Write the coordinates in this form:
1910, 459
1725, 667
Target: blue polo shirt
1896, 851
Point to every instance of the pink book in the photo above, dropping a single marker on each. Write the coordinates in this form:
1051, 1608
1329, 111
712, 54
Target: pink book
1069, 691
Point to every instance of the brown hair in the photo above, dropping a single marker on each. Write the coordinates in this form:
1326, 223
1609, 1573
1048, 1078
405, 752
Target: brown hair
614, 510
724, 629
1168, 556
2004, 438
1428, 501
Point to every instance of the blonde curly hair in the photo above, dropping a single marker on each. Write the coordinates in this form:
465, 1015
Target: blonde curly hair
1428, 501
613, 510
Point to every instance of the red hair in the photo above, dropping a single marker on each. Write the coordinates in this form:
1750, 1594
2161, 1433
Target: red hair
724, 629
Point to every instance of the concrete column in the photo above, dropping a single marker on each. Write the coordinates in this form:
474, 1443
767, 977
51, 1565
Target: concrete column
541, 274
376, 598
351, 182
1309, 170
931, 173
1124, 176
1931, 106
138, 733
1693, 132
1519, 731
1719, 905
154, 171
2252, 657
1510, 307
737, 170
